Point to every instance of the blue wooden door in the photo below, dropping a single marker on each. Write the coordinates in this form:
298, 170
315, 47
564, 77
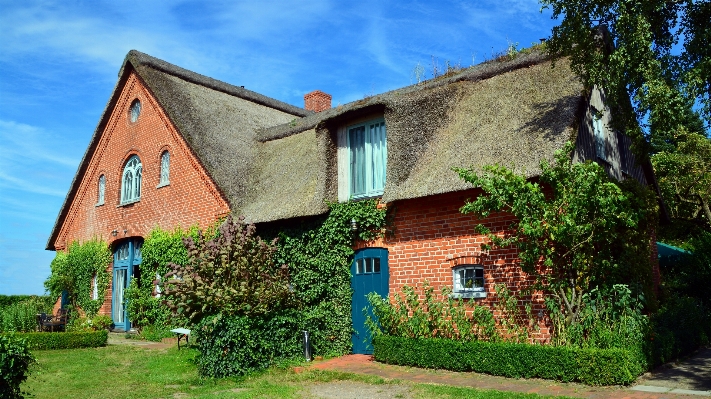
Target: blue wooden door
127, 258
369, 272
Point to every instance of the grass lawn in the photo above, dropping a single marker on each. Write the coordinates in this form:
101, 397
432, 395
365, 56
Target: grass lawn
126, 371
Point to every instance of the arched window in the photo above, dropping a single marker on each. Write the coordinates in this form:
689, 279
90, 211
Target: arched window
164, 169
135, 110
102, 190
131, 180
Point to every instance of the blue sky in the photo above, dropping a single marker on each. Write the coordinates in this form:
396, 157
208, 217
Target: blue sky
59, 63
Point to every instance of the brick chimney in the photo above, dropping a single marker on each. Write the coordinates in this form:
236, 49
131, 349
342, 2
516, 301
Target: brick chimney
317, 101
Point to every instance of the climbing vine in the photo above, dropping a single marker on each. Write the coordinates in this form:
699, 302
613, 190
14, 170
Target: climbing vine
318, 254
317, 251
73, 271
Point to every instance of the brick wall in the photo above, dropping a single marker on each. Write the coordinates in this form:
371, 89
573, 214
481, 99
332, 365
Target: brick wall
190, 198
430, 237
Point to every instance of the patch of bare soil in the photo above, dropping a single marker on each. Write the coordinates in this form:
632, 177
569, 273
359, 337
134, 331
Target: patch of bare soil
358, 390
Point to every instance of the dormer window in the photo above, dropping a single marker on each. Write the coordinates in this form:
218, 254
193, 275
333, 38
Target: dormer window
164, 169
135, 110
362, 160
131, 180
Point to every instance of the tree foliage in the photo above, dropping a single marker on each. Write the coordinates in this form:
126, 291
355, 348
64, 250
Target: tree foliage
73, 271
655, 52
233, 274
576, 229
684, 176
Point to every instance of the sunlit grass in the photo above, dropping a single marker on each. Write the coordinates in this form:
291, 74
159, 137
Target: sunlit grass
126, 371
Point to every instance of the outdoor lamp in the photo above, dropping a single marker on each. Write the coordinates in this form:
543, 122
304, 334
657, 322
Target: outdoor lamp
354, 225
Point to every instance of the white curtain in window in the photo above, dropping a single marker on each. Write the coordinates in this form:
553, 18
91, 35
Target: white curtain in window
119, 286
95, 288
102, 189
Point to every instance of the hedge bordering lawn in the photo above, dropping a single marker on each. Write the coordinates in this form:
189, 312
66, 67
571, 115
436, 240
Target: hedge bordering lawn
64, 340
589, 366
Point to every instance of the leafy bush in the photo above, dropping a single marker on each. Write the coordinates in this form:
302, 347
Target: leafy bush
96, 323
441, 316
233, 274
679, 327
155, 332
159, 250
238, 345
590, 366
608, 318
22, 316
73, 271
7, 300
585, 229
15, 359
64, 340
437, 316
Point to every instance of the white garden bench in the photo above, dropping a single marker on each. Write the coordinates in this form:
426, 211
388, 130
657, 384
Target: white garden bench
182, 333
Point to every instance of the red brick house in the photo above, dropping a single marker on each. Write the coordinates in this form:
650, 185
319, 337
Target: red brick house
177, 148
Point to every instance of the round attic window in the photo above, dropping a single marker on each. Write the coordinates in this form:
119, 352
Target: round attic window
135, 110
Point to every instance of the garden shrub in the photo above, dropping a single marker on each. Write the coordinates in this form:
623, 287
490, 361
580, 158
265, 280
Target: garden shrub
680, 326
21, 316
7, 300
64, 340
441, 316
15, 359
96, 323
238, 345
589, 366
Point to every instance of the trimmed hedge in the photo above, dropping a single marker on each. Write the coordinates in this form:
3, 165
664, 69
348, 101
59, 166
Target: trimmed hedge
64, 340
239, 345
589, 366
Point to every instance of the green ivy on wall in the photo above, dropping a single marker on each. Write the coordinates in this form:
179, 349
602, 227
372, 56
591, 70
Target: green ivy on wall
73, 271
318, 254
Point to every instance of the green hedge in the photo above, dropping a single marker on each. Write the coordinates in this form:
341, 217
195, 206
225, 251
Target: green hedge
239, 345
589, 366
64, 340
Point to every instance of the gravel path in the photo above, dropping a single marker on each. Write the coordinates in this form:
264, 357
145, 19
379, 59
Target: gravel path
358, 390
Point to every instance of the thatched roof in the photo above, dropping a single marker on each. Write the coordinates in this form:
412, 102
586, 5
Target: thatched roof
514, 112
274, 161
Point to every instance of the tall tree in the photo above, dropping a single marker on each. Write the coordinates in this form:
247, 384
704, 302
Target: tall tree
652, 58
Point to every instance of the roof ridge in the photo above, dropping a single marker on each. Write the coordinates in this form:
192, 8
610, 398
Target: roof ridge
138, 58
481, 71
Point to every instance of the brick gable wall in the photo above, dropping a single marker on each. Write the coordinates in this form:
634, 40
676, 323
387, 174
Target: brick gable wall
190, 198
429, 236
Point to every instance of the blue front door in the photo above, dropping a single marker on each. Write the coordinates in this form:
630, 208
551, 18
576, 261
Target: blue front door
369, 272
127, 258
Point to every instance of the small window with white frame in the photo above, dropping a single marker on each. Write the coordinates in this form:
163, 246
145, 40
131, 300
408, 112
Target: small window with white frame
164, 169
468, 281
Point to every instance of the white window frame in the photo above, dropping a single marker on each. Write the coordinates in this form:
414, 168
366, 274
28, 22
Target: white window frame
102, 190
345, 179
131, 181
164, 169
134, 111
460, 291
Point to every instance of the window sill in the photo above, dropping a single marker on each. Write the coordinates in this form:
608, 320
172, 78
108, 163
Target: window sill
468, 295
163, 185
366, 196
128, 203
99, 204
